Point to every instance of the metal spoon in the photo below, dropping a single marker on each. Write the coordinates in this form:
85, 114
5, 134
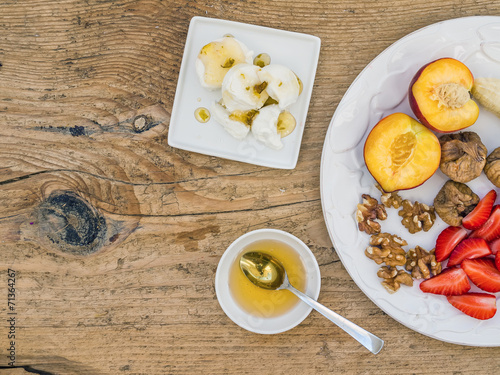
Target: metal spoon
267, 272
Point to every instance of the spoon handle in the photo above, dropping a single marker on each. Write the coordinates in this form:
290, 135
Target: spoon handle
365, 338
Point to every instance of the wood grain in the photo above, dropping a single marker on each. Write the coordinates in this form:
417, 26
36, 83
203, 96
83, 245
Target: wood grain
115, 237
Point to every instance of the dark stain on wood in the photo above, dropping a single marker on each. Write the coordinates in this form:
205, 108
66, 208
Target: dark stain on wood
190, 239
76, 130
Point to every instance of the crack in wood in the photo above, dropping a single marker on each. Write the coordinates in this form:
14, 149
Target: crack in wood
328, 263
220, 212
122, 181
137, 125
24, 177
29, 369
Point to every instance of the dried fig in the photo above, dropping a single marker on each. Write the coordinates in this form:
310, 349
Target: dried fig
492, 167
463, 156
454, 201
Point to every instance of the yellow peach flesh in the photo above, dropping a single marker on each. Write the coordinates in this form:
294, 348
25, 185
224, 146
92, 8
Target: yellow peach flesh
450, 114
401, 153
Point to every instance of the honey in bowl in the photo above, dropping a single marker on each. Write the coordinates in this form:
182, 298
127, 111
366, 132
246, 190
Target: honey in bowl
268, 303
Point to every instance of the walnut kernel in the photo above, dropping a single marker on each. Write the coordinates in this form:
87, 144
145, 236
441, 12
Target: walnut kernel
390, 199
393, 278
387, 248
417, 216
422, 264
368, 211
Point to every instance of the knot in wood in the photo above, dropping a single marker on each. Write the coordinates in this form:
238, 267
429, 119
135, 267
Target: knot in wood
142, 123
71, 223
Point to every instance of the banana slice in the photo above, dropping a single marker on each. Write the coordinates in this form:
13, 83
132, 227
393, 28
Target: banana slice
282, 84
264, 127
242, 89
487, 92
234, 127
286, 124
217, 57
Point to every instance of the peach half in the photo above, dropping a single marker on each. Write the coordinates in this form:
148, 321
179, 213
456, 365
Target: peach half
401, 153
439, 96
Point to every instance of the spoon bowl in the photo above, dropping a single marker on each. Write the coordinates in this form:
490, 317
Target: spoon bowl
263, 270
267, 272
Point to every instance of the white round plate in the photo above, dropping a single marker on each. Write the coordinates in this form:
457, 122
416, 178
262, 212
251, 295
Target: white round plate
379, 90
261, 324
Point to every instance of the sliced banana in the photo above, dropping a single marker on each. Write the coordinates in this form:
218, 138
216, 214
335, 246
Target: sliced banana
217, 57
282, 84
264, 127
487, 92
286, 124
236, 128
242, 89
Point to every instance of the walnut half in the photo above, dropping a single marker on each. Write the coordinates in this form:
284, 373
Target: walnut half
422, 264
417, 216
390, 199
368, 211
387, 248
393, 278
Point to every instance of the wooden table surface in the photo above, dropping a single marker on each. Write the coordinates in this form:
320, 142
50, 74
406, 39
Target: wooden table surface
114, 236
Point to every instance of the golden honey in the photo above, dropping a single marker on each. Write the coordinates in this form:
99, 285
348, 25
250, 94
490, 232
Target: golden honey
268, 303
202, 114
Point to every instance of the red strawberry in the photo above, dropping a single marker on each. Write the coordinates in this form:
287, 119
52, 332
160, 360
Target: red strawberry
495, 246
483, 273
491, 229
447, 240
470, 248
478, 305
450, 282
497, 261
478, 216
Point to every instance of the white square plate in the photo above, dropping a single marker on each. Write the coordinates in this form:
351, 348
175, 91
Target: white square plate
299, 52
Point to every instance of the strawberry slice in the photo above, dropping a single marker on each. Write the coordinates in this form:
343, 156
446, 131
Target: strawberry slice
478, 216
497, 261
483, 273
478, 305
450, 282
495, 246
491, 229
447, 240
470, 248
